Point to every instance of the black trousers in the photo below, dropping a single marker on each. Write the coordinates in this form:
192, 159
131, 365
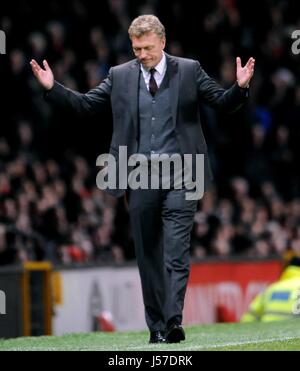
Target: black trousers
161, 222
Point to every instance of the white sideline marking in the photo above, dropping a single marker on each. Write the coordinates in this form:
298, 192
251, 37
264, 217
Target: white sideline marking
271, 340
185, 347
237, 343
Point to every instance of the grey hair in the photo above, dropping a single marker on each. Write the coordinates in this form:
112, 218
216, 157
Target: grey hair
145, 24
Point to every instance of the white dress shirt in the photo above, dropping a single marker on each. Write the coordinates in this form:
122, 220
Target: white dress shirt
160, 71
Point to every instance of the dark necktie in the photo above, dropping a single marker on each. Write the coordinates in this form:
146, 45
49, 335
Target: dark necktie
152, 83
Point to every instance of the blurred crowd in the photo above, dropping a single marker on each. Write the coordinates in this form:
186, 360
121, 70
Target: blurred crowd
50, 207
53, 211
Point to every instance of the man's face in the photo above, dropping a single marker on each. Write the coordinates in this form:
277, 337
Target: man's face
148, 49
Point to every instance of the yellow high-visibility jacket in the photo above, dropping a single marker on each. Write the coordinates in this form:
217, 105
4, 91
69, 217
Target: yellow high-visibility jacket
280, 301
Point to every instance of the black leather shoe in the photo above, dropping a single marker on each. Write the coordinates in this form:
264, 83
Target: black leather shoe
157, 337
175, 334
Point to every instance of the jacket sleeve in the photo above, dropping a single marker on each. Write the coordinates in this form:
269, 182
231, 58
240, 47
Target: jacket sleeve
95, 101
211, 93
255, 311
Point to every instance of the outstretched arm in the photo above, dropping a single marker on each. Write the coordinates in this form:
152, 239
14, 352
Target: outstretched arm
90, 103
231, 99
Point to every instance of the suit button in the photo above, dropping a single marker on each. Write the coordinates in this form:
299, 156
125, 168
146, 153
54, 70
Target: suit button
153, 118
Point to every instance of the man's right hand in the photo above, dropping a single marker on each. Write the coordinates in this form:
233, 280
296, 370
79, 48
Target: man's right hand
44, 76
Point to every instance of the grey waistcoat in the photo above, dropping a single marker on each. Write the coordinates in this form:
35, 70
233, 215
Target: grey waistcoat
157, 132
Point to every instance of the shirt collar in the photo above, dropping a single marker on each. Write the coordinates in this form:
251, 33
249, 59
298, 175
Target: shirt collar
160, 68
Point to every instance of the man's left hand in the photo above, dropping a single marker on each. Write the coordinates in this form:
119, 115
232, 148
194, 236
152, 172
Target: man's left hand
244, 74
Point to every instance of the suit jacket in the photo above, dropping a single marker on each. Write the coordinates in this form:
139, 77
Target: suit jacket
188, 84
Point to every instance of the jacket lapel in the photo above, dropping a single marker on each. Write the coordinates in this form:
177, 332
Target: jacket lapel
133, 91
173, 72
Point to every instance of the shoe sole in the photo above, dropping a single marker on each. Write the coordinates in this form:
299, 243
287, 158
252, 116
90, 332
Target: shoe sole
175, 336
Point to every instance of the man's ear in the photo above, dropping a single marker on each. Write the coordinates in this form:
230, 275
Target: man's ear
164, 41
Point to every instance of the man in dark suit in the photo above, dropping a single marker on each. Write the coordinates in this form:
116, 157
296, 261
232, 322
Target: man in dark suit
154, 100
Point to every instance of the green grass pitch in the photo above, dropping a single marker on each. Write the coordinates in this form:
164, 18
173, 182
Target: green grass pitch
279, 336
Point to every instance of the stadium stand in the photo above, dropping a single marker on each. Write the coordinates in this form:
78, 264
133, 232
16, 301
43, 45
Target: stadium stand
50, 207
